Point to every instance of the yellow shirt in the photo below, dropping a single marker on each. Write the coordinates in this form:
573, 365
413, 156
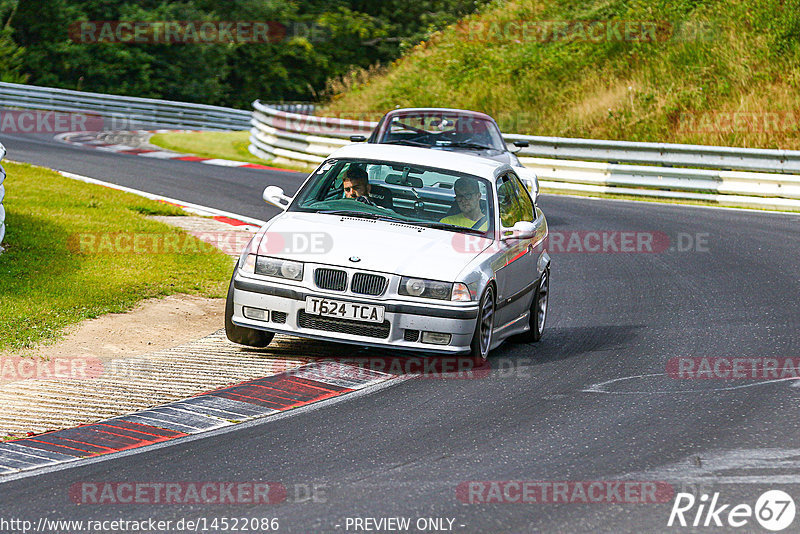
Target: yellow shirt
460, 220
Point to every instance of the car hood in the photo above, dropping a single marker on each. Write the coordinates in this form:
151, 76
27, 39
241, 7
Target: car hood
379, 245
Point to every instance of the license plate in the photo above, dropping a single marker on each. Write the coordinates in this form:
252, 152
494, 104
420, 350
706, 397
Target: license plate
344, 310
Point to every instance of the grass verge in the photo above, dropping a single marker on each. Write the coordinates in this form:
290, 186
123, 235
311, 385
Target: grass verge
223, 145
69, 255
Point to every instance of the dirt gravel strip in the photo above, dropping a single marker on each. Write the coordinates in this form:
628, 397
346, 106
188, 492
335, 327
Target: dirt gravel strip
118, 393
124, 385
223, 407
109, 366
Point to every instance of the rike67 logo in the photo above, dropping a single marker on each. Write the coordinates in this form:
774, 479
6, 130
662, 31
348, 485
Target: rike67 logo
774, 510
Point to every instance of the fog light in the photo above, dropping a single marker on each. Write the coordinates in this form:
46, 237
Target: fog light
436, 338
255, 313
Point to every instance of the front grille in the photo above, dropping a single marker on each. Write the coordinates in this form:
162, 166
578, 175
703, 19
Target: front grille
330, 324
278, 317
332, 279
368, 284
410, 335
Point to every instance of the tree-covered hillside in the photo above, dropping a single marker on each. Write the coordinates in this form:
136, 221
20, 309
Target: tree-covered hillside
323, 39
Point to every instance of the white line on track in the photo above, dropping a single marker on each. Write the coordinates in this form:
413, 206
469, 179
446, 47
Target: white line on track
600, 387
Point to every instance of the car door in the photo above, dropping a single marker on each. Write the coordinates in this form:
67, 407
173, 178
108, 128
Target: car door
516, 279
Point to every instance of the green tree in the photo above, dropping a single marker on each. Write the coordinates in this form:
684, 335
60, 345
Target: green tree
324, 39
11, 55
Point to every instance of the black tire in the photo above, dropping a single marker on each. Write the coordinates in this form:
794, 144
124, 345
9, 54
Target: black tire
240, 334
484, 327
539, 307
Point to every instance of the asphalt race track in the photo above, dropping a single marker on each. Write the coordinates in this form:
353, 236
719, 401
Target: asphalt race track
235, 190
595, 400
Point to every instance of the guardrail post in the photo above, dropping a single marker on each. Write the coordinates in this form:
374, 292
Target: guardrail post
2, 196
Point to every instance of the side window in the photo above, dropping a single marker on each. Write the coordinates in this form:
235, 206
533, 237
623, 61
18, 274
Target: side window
508, 200
528, 211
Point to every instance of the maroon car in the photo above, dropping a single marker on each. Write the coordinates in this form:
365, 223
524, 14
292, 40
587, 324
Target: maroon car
457, 130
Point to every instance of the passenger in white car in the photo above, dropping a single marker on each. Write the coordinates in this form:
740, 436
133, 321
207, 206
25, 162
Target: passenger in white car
468, 200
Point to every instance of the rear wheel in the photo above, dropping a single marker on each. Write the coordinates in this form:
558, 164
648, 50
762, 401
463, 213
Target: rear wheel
538, 311
482, 338
240, 334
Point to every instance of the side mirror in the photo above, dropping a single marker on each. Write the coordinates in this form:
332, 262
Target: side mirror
520, 230
357, 138
521, 144
274, 195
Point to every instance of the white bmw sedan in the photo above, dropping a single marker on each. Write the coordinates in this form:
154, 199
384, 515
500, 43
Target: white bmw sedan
397, 247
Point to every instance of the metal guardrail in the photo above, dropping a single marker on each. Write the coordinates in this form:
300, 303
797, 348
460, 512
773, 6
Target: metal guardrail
299, 139
125, 112
760, 178
735, 176
2, 196
660, 154
301, 108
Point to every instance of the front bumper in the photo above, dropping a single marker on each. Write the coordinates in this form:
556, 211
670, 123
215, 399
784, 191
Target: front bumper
401, 318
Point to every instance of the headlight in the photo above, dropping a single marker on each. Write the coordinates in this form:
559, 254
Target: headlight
417, 287
293, 270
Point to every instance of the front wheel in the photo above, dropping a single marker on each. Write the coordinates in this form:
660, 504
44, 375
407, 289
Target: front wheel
239, 334
482, 338
538, 312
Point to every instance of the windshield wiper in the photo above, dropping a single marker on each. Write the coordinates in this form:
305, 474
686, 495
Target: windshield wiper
426, 224
363, 215
454, 227
464, 144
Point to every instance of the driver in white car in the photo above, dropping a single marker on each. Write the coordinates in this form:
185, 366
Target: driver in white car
356, 185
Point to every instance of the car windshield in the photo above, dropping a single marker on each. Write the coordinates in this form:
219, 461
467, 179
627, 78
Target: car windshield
443, 130
415, 195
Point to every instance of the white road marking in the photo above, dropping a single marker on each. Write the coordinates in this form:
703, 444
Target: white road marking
600, 387
714, 468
